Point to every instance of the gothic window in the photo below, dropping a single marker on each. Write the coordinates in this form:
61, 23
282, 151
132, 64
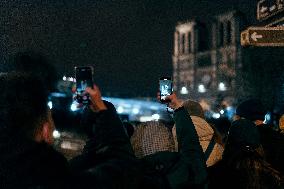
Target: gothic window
203, 38
229, 33
189, 42
221, 35
183, 43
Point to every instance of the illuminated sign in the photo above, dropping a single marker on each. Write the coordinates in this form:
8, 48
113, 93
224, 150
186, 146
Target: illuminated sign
263, 36
268, 8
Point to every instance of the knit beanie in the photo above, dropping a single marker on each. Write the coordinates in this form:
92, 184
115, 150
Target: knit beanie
251, 109
244, 132
151, 137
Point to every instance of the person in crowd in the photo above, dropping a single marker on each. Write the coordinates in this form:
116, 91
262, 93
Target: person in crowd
153, 144
207, 136
27, 158
271, 141
152, 137
29, 161
281, 124
107, 161
243, 164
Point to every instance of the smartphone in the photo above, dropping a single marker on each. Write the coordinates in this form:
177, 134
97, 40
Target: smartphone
84, 79
166, 88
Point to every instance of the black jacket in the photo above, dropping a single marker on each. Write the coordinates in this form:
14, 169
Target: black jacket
273, 146
27, 164
107, 161
223, 176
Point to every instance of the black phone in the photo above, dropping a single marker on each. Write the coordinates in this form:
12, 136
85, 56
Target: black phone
84, 79
166, 88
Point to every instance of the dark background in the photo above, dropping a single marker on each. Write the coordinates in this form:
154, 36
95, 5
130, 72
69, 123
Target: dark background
128, 42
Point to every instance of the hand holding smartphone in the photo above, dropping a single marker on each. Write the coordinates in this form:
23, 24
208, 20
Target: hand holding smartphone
166, 88
84, 79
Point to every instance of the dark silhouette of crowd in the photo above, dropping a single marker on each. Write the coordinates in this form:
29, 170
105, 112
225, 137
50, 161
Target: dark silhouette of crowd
189, 154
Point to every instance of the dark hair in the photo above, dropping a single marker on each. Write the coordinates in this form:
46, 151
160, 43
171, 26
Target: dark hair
23, 103
34, 63
251, 109
252, 171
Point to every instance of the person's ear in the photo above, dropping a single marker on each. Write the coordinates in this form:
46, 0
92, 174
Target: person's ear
47, 131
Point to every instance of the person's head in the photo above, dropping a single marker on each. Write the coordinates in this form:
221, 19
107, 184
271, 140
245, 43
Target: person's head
23, 110
251, 109
151, 137
281, 123
243, 135
244, 158
193, 108
34, 63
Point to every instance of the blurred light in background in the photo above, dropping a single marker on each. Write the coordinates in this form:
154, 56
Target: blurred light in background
216, 115
56, 134
74, 106
201, 88
135, 111
155, 117
49, 104
183, 90
267, 118
120, 110
222, 87
145, 118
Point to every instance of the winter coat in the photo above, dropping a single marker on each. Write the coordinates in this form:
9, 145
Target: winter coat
191, 167
108, 161
273, 146
222, 176
205, 135
27, 164
243, 165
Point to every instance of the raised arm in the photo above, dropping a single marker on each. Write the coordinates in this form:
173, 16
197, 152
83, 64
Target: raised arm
189, 147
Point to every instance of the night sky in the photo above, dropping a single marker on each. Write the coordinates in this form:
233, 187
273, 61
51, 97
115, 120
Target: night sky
128, 42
